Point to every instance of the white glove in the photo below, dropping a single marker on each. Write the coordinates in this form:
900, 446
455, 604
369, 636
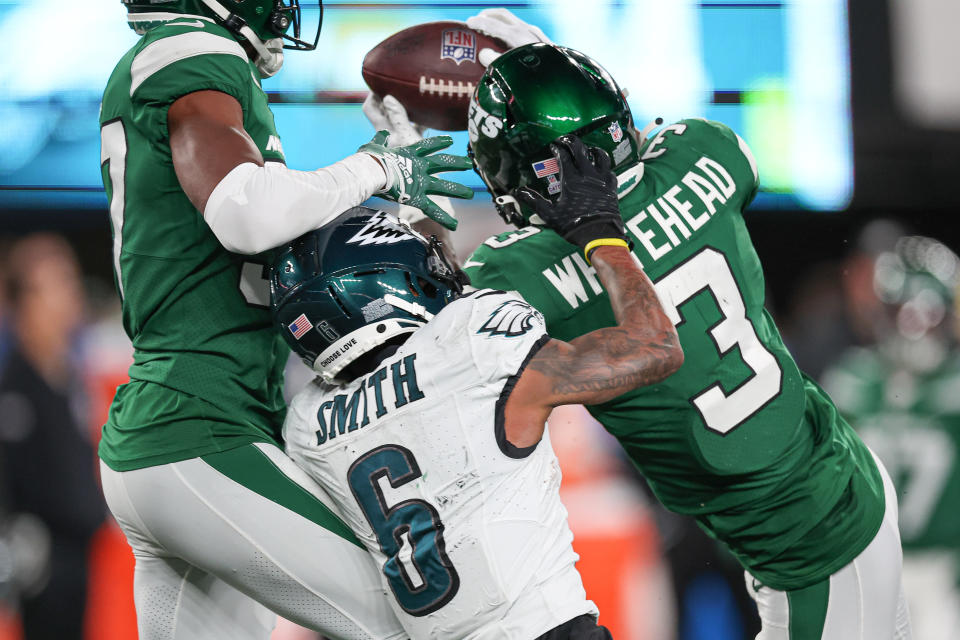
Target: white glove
389, 115
501, 24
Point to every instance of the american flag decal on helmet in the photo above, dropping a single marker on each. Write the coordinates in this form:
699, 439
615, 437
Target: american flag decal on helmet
300, 326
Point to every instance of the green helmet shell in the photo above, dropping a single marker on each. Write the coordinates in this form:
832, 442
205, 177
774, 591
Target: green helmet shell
264, 23
917, 265
356, 283
917, 283
526, 99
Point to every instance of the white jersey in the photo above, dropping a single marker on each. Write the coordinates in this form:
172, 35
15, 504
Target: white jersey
469, 531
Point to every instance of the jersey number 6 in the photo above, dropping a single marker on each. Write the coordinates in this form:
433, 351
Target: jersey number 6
410, 533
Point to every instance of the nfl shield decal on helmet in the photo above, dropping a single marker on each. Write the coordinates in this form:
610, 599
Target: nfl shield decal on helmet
300, 326
615, 132
458, 45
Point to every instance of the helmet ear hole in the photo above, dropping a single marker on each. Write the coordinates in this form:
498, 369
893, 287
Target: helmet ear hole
428, 288
336, 299
412, 287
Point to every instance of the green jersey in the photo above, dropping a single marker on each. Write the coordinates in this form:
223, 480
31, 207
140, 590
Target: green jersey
208, 366
738, 437
912, 422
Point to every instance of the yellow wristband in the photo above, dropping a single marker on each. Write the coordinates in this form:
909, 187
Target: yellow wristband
603, 242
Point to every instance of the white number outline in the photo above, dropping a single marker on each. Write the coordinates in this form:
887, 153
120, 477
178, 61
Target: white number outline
651, 151
327, 331
512, 236
709, 270
254, 284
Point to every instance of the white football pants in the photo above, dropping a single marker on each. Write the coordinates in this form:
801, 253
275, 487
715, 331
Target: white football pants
864, 600
933, 593
216, 535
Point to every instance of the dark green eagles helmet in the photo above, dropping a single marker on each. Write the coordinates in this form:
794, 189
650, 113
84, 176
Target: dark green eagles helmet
359, 282
529, 97
263, 23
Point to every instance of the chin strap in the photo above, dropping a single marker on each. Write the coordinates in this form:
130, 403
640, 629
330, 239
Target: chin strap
509, 209
412, 308
269, 53
647, 129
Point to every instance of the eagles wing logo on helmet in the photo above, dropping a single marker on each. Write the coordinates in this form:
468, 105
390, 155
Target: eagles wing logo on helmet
383, 228
511, 319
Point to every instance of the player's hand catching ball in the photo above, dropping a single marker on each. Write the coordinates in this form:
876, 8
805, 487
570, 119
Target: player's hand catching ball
587, 212
410, 172
501, 24
387, 114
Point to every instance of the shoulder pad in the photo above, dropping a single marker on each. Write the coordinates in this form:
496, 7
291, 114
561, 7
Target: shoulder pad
717, 132
505, 313
180, 40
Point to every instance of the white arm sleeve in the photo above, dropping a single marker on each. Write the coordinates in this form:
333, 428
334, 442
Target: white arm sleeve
257, 208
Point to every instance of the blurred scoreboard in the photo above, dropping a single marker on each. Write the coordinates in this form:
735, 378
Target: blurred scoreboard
776, 72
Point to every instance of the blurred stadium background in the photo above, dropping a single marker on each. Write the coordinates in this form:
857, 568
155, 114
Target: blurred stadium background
851, 107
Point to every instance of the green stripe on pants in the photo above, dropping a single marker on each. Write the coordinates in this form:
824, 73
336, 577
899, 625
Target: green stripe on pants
250, 467
808, 610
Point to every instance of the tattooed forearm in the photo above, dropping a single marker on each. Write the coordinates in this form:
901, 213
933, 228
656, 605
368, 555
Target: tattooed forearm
642, 350
632, 295
609, 360
654, 363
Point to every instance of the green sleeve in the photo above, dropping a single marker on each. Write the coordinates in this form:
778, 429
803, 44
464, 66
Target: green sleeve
732, 151
177, 62
484, 271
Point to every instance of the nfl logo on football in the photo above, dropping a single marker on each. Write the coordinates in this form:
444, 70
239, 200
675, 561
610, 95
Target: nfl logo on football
458, 45
615, 132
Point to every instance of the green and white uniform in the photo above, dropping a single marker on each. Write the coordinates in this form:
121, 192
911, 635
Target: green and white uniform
912, 421
218, 517
738, 437
208, 365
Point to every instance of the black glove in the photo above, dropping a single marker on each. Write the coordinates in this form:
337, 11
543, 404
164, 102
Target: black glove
587, 213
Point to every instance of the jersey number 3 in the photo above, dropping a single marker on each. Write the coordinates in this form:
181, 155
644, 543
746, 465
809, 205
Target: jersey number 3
410, 533
709, 270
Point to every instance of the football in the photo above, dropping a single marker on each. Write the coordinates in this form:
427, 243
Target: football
431, 69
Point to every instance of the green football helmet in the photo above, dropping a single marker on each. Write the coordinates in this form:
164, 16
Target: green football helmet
263, 23
917, 283
363, 281
529, 97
